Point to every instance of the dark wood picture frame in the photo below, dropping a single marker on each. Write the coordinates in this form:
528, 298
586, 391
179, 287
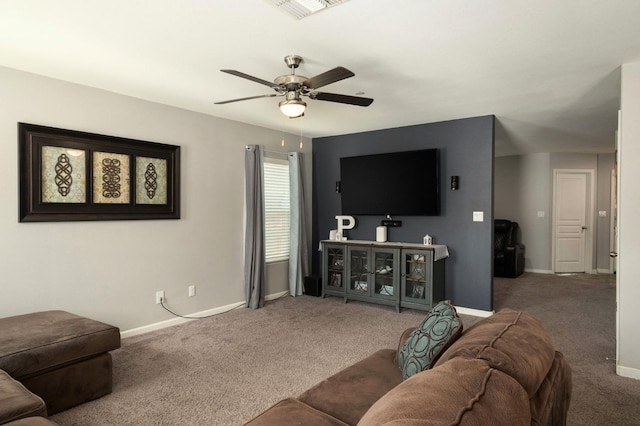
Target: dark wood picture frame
67, 175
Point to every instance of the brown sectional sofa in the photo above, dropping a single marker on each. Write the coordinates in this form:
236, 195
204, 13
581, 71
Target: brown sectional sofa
503, 370
18, 406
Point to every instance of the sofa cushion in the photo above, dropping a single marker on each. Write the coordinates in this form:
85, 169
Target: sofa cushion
424, 345
460, 392
505, 341
17, 402
293, 412
348, 394
38, 341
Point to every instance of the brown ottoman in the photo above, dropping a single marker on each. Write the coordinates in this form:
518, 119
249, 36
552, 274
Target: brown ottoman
61, 357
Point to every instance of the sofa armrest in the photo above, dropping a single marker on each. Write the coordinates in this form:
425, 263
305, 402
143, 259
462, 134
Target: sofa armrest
550, 404
31, 421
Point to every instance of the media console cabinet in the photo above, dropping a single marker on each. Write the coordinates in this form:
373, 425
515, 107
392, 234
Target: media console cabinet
404, 275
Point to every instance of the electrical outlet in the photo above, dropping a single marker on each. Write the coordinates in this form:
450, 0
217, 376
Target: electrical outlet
159, 297
192, 290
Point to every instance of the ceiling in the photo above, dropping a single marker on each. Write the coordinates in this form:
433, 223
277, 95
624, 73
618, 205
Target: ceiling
549, 70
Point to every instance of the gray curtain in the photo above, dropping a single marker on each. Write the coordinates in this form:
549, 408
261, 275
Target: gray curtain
299, 250
254, 228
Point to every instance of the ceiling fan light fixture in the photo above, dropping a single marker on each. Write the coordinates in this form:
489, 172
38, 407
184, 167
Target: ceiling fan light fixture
292, 108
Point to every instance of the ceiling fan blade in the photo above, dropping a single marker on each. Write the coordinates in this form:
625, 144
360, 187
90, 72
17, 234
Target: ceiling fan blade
250, 77
331, 76
342, 99
246, 99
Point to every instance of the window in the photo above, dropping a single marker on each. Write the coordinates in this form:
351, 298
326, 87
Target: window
276, 209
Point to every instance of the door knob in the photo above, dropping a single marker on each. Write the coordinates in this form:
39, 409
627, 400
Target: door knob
613, 254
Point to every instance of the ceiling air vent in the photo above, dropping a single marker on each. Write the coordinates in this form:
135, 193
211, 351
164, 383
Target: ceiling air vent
302, 8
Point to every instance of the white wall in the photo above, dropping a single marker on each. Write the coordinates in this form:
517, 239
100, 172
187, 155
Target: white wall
524, 187
606, 163
522, 190
110, 270
629, 225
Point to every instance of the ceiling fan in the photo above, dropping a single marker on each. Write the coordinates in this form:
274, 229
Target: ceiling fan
293, 86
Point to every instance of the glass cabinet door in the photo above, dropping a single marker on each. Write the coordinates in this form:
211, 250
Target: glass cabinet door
385, 274
416, 286
334, 266
358, 270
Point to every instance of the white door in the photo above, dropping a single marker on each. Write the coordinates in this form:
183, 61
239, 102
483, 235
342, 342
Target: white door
570, 221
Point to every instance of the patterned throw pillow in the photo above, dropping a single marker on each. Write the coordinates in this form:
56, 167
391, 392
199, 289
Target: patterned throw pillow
438, 330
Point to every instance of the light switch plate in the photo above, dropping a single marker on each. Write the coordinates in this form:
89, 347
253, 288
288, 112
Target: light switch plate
478, 216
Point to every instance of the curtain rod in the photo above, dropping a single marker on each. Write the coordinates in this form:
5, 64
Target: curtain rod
273, 152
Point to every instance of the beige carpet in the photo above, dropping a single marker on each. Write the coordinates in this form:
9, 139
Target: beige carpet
226, 369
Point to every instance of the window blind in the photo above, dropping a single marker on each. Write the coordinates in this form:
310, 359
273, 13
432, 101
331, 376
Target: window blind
276, 209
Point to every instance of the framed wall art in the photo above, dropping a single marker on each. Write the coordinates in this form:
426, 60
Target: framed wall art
66, 175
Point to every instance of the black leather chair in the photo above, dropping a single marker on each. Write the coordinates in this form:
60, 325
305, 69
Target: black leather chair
508, 253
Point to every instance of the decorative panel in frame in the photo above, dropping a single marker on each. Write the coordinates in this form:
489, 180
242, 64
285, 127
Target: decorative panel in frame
63, 175
67, 175
151, 180
111, 183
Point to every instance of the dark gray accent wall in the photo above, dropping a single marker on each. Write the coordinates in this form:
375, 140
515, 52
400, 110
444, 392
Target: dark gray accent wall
466, 150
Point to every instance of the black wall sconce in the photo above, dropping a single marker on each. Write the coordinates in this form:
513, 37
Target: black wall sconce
455, 183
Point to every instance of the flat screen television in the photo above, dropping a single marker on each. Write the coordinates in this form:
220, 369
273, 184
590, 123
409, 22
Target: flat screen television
397, 183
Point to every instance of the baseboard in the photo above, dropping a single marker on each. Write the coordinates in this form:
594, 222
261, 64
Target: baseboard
175, 321
632, 373
539, 271
473, 312
545, 271
275, 295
